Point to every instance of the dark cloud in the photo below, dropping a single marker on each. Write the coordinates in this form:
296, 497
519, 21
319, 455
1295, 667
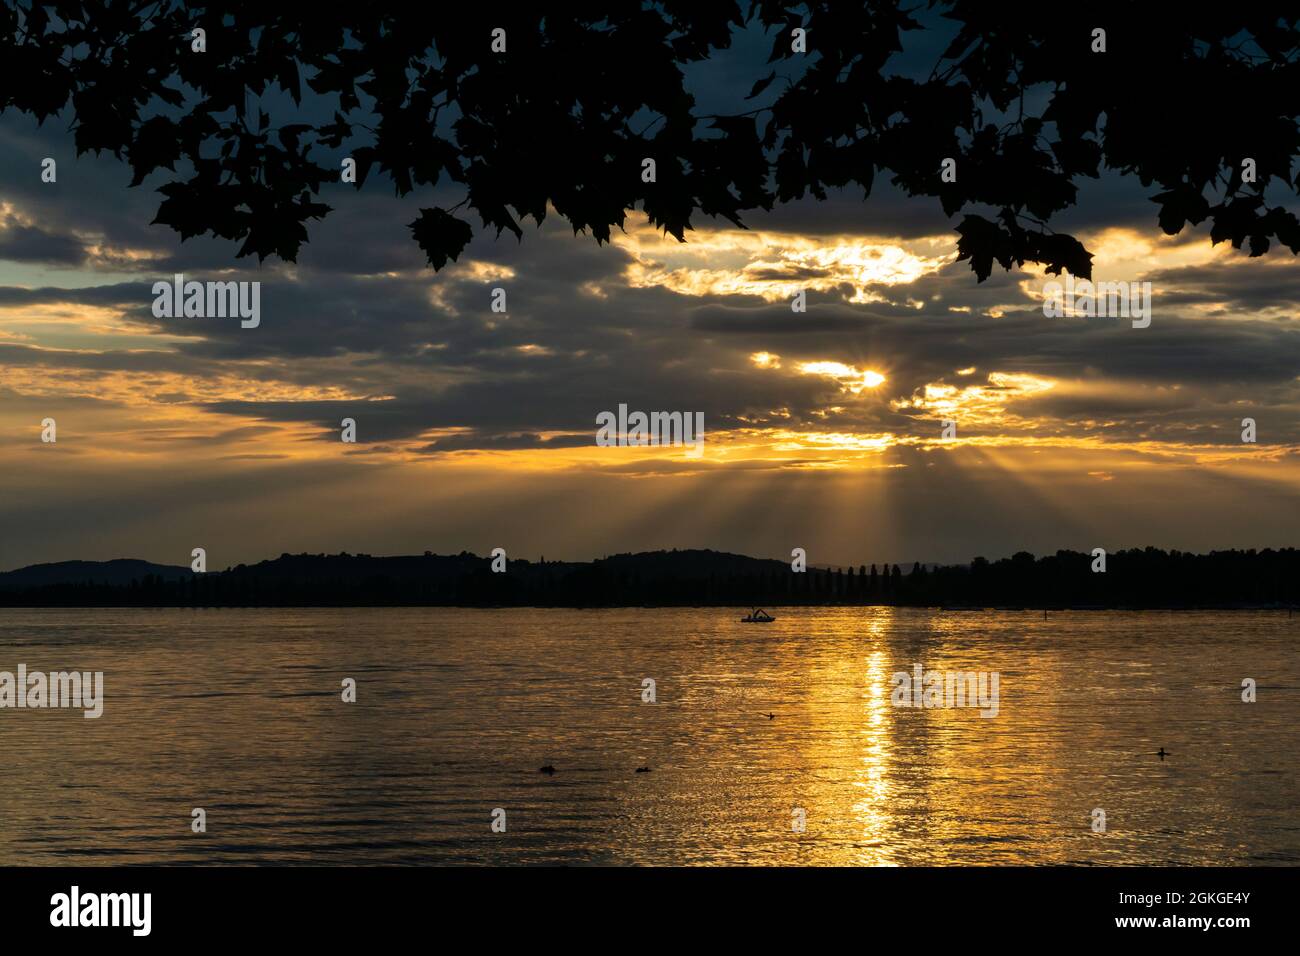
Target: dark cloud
362, 314
506, 442
20, 243
432, 350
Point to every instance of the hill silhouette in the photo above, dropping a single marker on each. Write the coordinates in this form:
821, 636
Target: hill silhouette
119, 572
1137, 578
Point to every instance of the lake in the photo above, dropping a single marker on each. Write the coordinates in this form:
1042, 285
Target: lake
240, 712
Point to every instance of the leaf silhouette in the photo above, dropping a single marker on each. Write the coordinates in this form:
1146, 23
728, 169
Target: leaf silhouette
441, 235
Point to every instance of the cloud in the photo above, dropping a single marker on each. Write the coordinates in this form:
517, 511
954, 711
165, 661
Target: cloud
1059, 419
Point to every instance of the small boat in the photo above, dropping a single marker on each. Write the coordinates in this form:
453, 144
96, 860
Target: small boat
757, 616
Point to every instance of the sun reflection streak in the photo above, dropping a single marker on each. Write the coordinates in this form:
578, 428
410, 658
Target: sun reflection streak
871, 809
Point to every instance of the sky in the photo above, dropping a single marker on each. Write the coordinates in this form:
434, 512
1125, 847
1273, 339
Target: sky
477, 429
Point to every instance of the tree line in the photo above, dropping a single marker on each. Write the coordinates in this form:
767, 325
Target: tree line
1137, 578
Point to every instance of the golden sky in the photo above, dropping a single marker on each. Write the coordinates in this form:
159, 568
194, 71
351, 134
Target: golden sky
1061, 424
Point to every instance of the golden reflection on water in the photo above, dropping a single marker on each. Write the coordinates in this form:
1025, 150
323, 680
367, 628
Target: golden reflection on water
872, 807
239, 711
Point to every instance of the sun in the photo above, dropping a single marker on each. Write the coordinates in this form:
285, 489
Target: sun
851, 379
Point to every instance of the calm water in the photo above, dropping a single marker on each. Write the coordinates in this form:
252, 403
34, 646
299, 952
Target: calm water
239, 712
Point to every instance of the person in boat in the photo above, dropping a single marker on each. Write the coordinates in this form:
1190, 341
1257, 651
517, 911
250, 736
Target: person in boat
758, 614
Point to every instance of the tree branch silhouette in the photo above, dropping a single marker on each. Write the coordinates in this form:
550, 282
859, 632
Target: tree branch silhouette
1178, 97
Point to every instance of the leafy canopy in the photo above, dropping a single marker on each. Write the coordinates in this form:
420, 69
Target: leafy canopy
586, 91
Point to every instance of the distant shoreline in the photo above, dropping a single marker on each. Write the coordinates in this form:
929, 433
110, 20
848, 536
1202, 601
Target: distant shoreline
1136, 579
